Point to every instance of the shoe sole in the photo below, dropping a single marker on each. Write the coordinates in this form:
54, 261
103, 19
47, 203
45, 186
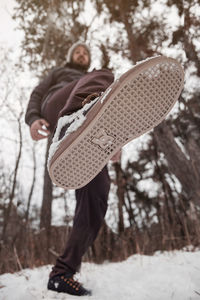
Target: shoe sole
134, 104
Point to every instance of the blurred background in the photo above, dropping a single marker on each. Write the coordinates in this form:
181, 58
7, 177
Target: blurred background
154, 201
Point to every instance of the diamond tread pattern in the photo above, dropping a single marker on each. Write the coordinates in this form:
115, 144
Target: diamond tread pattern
140, 105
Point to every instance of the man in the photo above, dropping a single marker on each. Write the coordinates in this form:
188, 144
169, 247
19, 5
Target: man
48, 101
132, 105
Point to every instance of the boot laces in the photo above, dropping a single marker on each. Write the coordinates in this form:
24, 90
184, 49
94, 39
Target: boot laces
71, 282
90, 98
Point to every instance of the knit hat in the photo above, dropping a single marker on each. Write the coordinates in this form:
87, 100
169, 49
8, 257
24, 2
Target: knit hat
73, 47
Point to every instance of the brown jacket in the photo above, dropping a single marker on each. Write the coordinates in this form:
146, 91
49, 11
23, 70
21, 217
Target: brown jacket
55, 80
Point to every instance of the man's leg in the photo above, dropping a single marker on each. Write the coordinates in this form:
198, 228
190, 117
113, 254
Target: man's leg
91, 199
69, 98
96, 81
89, 215
55, 102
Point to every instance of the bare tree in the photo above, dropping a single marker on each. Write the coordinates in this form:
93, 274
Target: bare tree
18, 118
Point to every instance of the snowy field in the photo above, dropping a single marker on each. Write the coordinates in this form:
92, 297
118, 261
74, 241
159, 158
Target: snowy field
170, 275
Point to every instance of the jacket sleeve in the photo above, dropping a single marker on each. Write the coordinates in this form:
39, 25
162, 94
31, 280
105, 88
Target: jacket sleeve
33, 111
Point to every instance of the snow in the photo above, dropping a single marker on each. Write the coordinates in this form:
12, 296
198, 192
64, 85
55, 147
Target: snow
169, 275
76, 119
105, 94
146, 60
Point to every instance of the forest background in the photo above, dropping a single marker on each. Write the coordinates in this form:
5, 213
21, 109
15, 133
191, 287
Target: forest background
154, 202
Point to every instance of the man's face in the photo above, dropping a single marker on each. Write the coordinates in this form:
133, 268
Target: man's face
81, 56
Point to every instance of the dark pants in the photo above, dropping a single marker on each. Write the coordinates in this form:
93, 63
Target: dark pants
91, 200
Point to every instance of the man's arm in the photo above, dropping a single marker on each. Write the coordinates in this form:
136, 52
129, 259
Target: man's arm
33, 111
38, 125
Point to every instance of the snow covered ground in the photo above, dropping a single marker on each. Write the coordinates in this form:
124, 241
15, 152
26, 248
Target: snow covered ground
164, 276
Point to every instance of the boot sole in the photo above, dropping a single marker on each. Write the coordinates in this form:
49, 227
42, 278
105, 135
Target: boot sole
134, 104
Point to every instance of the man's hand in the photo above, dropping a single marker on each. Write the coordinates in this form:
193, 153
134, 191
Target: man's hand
39, 129
116, 157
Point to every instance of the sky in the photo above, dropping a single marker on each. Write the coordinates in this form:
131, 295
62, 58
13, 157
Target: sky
8, 35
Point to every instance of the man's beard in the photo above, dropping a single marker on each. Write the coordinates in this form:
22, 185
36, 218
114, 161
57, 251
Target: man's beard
80, 66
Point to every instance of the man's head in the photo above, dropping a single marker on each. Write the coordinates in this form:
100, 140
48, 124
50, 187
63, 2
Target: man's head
79, 55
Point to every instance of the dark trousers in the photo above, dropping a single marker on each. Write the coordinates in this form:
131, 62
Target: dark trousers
91, 200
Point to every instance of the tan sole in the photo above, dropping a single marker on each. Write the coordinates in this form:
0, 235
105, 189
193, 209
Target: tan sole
134, 104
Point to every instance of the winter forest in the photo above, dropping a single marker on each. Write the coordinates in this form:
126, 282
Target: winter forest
154, 201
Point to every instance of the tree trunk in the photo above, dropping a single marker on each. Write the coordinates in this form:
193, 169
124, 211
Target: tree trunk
32, 188
120, 195
14, 183
45, 216
178, 163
